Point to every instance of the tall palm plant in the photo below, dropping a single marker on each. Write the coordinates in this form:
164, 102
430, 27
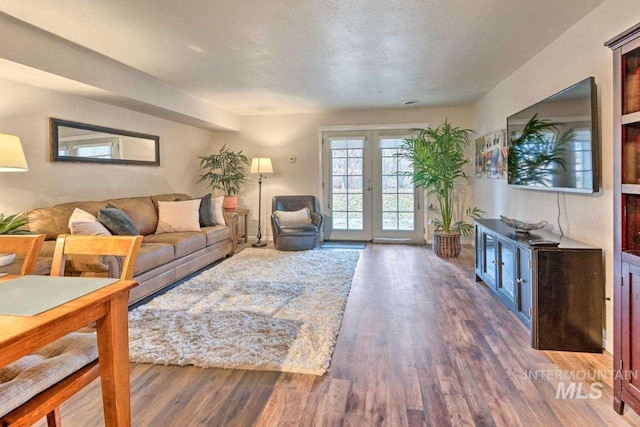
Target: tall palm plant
438, 157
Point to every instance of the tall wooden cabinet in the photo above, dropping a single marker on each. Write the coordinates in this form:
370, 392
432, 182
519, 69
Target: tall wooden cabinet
626, 135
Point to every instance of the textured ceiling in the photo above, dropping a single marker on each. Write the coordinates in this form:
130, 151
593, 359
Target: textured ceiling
275, 56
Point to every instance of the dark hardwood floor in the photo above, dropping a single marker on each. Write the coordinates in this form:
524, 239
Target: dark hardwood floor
421, 344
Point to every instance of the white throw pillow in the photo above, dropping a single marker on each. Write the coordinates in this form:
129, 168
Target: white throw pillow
303, 216
174, 217
82, 222
216, 207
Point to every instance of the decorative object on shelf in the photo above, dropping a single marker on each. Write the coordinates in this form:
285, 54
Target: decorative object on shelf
81, 142
11, 225
438, 158
260, 166
521, 226
491, 155
225, 171
12, 157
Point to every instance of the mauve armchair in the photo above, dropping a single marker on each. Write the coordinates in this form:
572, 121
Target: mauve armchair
296, 237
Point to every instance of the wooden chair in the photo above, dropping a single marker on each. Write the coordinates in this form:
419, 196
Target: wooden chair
28, 245
48, 401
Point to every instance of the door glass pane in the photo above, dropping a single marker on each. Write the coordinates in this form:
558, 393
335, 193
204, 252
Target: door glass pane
507, 279
398, 193
347, 188
490, 256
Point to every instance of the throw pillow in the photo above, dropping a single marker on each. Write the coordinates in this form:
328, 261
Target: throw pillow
178, 216
206, 212
303, 216
82, 222
117, 222
216, 207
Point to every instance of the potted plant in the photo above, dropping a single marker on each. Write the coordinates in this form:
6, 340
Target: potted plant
225, 171
438, 158
11, 224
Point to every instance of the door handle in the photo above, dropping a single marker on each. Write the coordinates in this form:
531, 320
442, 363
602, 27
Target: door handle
520, 281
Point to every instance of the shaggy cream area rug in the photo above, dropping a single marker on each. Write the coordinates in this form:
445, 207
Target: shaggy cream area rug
260, 309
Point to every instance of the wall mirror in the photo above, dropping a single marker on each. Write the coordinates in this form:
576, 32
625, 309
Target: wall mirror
80, 142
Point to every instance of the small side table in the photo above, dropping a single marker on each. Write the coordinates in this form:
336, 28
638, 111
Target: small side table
243, 212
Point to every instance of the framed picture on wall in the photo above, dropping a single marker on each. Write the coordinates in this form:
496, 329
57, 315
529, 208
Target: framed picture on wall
491, 155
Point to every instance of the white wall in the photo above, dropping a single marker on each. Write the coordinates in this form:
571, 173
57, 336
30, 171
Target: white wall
577, 54
25, 112
284, 136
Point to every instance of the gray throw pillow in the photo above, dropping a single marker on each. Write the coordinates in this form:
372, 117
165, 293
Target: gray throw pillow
206, 213
117, 222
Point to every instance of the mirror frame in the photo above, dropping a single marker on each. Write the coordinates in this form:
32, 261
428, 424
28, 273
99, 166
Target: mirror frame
54, 124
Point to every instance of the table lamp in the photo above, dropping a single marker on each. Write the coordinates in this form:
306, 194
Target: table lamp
11, 155
261, 166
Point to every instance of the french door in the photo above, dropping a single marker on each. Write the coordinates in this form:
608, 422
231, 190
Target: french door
365, 198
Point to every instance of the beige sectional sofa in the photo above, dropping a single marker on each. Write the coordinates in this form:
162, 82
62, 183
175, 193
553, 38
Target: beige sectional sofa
163, 258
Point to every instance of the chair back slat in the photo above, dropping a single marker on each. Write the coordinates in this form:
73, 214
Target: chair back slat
125, 246
25, 244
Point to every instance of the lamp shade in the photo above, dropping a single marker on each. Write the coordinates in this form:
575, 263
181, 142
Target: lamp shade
11, 155
261, 165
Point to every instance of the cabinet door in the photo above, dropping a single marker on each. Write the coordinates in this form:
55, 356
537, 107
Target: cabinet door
489, 258
478, 237
631, 328
506, 283
523, 281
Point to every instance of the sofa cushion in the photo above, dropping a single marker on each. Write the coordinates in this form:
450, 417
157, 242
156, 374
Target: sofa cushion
141, 211
55, 220
82, 222
170, 197
206, 211
216, 234
218, 211
152, 255
117, 221
175, 217
183, 243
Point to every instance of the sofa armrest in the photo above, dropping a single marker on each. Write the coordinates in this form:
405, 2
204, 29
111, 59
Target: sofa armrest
231, 219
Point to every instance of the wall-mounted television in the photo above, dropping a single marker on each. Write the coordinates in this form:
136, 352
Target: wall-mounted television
554, 144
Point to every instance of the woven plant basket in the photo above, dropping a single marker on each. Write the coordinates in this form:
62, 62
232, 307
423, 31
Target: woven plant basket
446, 245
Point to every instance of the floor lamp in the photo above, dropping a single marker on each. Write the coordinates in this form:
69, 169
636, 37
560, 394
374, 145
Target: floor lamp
261, 166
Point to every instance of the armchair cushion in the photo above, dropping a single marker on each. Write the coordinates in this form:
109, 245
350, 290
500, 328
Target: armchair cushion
302, 216
298, 230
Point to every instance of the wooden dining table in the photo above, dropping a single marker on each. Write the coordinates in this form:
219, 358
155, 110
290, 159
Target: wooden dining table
107, 306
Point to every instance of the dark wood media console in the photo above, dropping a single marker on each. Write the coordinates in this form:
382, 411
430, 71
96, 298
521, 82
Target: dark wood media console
557, 291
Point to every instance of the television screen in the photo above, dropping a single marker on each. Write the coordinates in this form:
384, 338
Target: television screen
554, 143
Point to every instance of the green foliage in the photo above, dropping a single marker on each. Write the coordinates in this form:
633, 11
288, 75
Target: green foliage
224, 171
535, 155
12, 224
438, 158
